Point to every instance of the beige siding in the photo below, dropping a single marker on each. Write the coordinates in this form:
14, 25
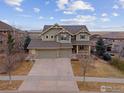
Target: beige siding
63, 41
64, 53
51, 32
86, 37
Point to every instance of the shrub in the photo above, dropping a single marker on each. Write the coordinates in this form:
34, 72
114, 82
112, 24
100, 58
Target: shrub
100, 47
118, 63
107, 56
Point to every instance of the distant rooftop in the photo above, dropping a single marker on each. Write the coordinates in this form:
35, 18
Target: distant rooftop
5, 27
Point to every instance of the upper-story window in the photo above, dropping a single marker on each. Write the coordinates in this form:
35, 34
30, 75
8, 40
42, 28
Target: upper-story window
1, 43
46, 36
64, 37
82, 36
73, 38
51, 36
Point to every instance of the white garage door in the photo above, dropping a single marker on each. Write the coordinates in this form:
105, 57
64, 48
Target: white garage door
64, 53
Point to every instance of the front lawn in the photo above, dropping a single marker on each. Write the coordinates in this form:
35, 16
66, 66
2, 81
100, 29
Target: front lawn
95, 86
22, 69
99, 68
118, 63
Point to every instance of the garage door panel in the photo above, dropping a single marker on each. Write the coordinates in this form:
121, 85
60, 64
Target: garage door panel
46, 53
63, 53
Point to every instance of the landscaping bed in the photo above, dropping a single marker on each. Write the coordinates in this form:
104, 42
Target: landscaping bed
4, 85
99, 68
96, 86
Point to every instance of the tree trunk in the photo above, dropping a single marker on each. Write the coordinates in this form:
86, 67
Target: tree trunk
10, 78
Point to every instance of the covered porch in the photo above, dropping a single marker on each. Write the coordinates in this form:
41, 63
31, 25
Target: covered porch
81, 49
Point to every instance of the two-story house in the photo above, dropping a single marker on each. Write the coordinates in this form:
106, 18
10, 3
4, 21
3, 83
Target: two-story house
58, 41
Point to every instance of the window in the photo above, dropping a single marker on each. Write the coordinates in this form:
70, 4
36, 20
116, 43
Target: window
51, 36
46, 36
73, 38
0, 42
64, 37
82, 36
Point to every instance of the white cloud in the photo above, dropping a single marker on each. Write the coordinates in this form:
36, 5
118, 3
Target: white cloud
41, 17
104, 14
80, 5
115, 7
115, 14
68, 12
5, 21
13, 2
19, 9
105, 19
121, 2
51, 17
36, 10
73, 5
80, 19
61, 4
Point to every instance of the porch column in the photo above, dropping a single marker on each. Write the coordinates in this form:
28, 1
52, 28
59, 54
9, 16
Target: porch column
77, 49
89, 49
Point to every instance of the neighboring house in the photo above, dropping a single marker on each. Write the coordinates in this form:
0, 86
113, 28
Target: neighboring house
61, 41
4, 30
114, 41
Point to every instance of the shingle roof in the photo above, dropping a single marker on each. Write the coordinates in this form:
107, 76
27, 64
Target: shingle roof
114, 35
39, 44
71, 28
5, 27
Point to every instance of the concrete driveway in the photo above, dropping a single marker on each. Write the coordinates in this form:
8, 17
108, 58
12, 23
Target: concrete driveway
50, 76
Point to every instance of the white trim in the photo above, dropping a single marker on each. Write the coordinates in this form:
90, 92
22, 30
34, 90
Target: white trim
64, 31
51, 28
82, 32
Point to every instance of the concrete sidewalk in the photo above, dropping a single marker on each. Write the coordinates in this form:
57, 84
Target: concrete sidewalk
54, 71
97, 79
65, 78
54, 92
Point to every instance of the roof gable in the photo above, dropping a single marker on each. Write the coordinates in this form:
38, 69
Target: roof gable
73, 29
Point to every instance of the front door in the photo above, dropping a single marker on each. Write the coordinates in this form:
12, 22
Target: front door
74, 49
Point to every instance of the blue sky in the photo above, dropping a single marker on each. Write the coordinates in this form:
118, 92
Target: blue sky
33, 14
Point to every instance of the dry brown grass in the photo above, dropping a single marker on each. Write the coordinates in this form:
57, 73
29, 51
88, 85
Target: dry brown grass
97, 69
95, 86
4, 85
22, 69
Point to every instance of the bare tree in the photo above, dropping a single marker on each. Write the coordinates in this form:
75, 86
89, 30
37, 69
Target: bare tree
9, 66
84, 61
9, 55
